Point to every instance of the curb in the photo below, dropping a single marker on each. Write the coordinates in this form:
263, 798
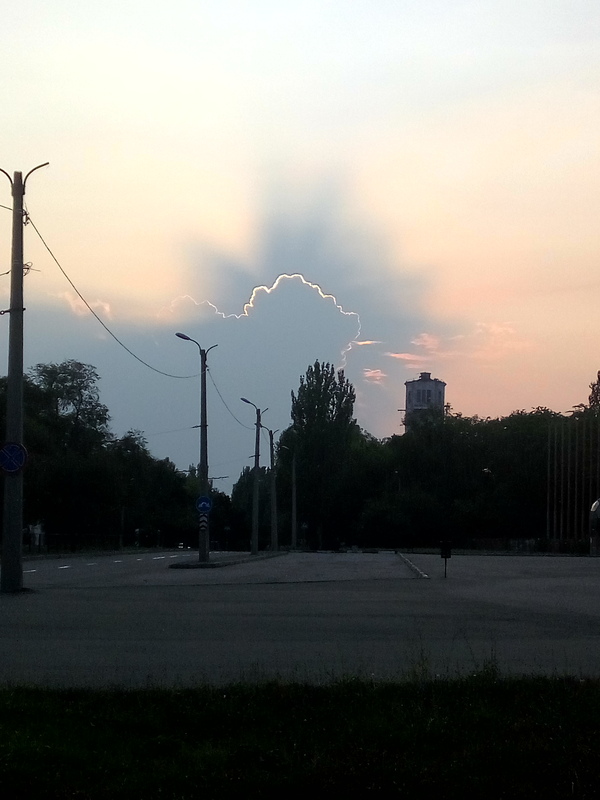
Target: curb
227, 563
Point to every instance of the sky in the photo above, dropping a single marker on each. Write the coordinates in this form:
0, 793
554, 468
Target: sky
388, 186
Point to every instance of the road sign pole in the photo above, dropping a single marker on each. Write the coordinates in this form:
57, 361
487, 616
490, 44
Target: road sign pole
446, 553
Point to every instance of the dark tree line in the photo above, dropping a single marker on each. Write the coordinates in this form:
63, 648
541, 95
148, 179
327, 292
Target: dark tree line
529, 475
448, 476
88, 488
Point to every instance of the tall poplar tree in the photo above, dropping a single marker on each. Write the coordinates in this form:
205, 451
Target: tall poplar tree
321, 437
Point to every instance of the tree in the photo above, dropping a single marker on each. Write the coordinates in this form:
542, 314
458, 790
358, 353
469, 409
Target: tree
241, 504
324, 398
594, 399
464, 478
323, 439
87, 487
73, 405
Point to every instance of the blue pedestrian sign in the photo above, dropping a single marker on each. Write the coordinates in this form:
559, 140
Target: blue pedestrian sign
203, 504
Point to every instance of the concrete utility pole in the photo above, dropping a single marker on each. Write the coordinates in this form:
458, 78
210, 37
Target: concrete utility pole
13, 452
203, 525
274, 538
294, 508
254, 542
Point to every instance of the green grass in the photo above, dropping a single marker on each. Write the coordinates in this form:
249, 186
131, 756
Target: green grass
465, 738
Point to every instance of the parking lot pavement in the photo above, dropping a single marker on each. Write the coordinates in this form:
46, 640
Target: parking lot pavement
301, 568
527, 583
303, 616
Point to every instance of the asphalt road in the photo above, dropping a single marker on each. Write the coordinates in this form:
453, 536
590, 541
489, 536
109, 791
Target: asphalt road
131, 621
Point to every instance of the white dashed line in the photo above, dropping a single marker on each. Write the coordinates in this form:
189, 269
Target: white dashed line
67, 566
157, 558
30, 570
173, 556
91, 564
117, 562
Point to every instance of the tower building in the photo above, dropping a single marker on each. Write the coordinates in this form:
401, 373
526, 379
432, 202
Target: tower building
424, 394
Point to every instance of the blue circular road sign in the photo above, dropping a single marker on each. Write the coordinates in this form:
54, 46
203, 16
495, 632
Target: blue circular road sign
204, 504
13, 457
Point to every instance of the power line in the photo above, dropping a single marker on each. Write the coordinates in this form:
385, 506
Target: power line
176, 430
88, 306
119, 342
224, 403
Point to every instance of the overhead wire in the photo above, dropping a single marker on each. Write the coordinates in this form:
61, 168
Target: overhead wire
88, 306
248, 428
175, 430
113, 335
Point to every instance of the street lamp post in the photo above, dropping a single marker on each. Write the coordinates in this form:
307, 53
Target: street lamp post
254, 542
274, 535
203, 526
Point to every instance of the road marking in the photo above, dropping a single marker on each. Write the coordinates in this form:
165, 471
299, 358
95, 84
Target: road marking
139, 559
174, 556
117, 562
30, 570
414, 567
157, 558
91, 564
67, 566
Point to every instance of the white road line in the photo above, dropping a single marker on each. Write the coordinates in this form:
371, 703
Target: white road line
91, 564
173, 556
67, 566
117, 562
413, 566
30, 570
157, 558
139, 559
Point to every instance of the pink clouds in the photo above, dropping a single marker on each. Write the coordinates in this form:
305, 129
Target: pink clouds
374, 375
485, 342
409, 357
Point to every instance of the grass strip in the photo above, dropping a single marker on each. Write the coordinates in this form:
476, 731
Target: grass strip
482, 736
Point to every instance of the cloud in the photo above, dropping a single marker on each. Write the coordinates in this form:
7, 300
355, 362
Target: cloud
427, 341
374, 375
317, 275
409, 357
313, 287
484, 342
79, 308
